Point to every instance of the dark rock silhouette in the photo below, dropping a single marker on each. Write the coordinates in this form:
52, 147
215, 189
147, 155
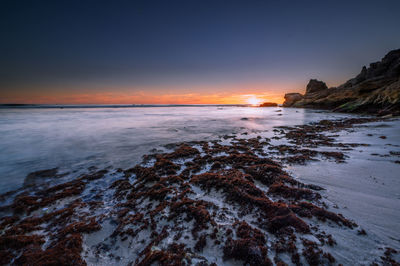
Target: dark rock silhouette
315, 85
388, 67
268, 104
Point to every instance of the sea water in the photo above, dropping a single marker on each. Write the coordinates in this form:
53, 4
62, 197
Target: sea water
74, 138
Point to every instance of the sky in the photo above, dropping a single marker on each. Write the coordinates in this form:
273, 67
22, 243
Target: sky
185, 52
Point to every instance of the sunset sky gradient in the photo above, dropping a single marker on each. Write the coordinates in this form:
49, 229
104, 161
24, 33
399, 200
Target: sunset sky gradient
185, 52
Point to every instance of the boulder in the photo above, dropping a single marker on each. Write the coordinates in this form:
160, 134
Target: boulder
268, 104
291, 98
315, 86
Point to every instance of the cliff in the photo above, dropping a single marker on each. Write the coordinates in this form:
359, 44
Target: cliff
375, 90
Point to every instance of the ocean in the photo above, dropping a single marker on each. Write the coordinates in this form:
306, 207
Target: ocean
74, 138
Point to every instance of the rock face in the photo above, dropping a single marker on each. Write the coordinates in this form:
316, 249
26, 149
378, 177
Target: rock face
268, 104
315, 85
388, 67
375, 90
291, 98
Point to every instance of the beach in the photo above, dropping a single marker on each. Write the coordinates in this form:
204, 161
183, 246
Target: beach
218, 185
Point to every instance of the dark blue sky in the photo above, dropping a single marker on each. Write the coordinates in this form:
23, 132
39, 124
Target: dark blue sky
66, 48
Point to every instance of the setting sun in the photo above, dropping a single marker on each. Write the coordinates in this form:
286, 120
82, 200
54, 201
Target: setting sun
253, 100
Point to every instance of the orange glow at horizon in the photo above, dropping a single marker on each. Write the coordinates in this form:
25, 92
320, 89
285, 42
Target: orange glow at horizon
253, 93
145, 98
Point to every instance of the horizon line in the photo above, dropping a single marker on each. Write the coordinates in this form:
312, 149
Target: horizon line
23, 105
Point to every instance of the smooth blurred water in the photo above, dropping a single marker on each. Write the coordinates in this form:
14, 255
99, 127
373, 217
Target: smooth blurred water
74, 139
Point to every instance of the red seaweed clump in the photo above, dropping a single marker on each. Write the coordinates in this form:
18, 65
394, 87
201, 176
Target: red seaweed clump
196, 210
67, 251
165, 167
306, 209
174, 255
19, 241
80, 227
265, 173
29, 203
63, 226
240, 190
231, 182
201, 243
314, 255
249, 247
145, 174
183, 151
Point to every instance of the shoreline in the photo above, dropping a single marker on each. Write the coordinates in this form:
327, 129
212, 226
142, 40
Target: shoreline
146, 202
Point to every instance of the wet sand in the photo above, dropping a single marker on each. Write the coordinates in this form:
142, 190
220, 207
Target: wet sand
365, 188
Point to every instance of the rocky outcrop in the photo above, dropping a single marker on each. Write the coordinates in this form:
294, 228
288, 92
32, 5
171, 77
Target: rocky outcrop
388, 67
268, 104
375, 90
315, 85
291, 98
